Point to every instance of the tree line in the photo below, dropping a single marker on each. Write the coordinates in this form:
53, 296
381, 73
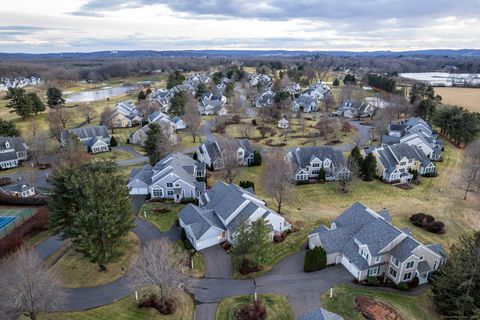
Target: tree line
382, 82
457, 124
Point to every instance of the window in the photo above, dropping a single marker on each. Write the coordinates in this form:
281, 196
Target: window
410, 264
170, 192
316, 165
302, 176
157, 193
364, 254
395, 261
373, 271
177, 185
421, 258
403, 163
392, 272
169, 185
378, 259
407, 276
315, 171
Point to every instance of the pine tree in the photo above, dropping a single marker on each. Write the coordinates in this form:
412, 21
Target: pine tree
252, 240
19, 102
37, 104
456, 285
177, 104
54, 96
8, 129
91, 207
357, 156
157, 144
368, 167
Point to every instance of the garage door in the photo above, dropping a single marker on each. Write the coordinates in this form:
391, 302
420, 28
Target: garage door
350, 267
139, 191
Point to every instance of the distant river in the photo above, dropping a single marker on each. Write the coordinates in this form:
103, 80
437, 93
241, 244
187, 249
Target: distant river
100, 94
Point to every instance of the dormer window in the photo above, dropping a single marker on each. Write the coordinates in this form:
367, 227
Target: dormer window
316, 165
395, 261
7, 145
364, 254
333, 226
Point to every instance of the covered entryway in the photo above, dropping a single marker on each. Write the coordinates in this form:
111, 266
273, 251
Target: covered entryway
350, 267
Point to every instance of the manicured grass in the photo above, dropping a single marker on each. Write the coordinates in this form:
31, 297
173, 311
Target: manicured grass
198, 269
75, 271
113, 155
410, 307
122, 134
126, 309
439, 196
186, 140
278, 307
163, 221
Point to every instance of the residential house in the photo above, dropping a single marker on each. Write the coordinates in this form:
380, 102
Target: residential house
179, 123
96, 139
125, 114
212, 151
221, 211
351, 109
163, 97
176, 177
308, 161
305, 104
20, 188
283, 123
12, 151
293, 88
395, 163
415, 131
167, 126
367, 244
317, 91
195, 80
262, 79
211, 104
264, 100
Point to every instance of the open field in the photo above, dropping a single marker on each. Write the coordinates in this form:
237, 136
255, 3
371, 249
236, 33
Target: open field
75, 271
438, 196
126, 309
295, 138
410, 308
278, 307
469, 98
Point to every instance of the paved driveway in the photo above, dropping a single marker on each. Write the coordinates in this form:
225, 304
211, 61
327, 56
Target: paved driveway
218, 263
137, 203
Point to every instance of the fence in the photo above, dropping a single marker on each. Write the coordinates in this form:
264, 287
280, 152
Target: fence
21, 215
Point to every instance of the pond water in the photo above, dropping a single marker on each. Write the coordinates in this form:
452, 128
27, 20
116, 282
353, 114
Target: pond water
100, 94
444, 78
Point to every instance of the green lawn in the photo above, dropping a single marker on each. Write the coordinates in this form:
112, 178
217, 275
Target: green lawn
410, 308
278, 307
198, 269
126, 309
163, 221
113, 155
122, 134
75, 271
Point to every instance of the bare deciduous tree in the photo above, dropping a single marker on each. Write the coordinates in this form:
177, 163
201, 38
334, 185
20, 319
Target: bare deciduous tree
329, 103
230, 159
277, 179
192, 117
384, 118
38, 143
73, 153
156, 268
470, 176
345, 177
62, 115
245, 131
87, 112
28, 287
106, 118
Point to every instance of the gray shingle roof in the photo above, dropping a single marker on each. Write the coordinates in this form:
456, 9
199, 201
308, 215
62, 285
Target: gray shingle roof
21, 185
438, 249
199, 219
404, 249
15, 143
143, 174
302, 156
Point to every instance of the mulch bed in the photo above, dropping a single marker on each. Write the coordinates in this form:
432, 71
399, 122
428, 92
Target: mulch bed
167, 306
372, 309
246, 267
252, 311
333, 142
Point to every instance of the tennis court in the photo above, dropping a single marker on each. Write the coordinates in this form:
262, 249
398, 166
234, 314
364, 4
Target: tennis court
10, 219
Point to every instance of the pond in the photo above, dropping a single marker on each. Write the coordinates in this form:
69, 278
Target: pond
100, 94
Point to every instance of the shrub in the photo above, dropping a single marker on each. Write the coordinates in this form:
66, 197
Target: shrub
257, 159
113, 142
187, 200
186, 242
254, 122
252, 311
403, 286
372, 281
236, 119
414, 283
430, 175
322, 175
436, 227
315, 259
247, 184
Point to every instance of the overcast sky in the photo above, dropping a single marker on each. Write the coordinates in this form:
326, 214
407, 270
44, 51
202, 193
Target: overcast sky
94, 25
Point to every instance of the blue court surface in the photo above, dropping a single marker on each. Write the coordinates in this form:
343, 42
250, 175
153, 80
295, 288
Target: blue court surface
5, 221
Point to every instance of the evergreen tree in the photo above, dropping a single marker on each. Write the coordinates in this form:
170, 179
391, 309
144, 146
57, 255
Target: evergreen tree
253, 241
157, 144
37, 104
357, 156
177, 104
336, 83
322, 174
20, 103
201, 90
456, 285
174, 79
8, 129
368, 167
90, 205
54, 96
141, 95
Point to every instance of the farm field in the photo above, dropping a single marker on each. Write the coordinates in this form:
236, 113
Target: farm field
469, 98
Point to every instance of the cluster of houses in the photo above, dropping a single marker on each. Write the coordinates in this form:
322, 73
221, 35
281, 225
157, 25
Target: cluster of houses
12, 151
354, 109
19, 82
309, 100
409, 146
21, 187
213, 102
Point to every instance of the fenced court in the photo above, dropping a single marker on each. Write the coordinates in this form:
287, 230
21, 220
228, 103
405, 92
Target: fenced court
10, 219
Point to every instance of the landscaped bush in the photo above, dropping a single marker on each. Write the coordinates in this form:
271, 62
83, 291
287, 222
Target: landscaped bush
254, 122
257, 159
403, 286
315, 259
186, 242
248, 267
162, 209
430, 175
247, 184
436, 227
167, 306
414, 283
113, 142
428, 223
187, 200
255, 310
279, 237
373, 281
322, 175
